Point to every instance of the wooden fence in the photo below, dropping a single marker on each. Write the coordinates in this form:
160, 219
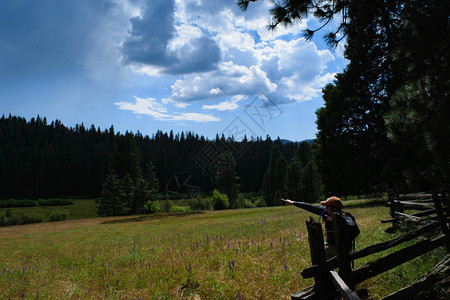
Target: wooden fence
433, 217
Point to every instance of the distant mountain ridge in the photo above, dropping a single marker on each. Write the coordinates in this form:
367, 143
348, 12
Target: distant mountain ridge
309, 141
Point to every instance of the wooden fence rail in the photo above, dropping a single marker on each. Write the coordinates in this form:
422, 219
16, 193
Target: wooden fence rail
439, 274
346, 278
332, 263
397, 258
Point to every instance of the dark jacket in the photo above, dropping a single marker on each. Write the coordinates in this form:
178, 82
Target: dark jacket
321, 211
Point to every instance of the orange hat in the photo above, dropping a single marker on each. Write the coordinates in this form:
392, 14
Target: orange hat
333, 202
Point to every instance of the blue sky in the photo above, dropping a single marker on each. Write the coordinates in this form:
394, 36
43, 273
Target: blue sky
197, 65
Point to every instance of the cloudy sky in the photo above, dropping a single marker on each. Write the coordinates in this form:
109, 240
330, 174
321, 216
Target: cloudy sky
198, 65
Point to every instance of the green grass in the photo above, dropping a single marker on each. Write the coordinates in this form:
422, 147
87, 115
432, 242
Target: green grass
251, 253
81, 209
364, 203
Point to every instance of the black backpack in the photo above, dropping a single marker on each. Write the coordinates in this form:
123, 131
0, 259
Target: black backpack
353, 228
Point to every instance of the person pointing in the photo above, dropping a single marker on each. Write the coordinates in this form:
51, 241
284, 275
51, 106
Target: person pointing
326, 210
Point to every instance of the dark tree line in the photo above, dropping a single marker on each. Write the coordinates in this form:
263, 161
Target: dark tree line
297, 178
42, 160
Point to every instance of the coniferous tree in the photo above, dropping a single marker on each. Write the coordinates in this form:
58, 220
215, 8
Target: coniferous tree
310, 182
111, 203
395, 86
126, 157
418, 118
355, 155
226, 178
128, 192
294, 180
152, 181
151, 184
141, 195
303, 179
274, 182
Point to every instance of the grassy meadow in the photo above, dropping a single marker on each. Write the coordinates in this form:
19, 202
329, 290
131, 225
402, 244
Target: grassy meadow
232, 254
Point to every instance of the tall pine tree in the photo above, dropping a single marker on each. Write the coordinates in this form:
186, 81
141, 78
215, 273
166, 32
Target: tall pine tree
226, 177
112, 202
303, 179
274, 182
152, 181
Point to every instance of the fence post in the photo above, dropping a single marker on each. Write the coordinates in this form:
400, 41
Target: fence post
390, 200
317, 249
446, 200
342, 239
442, 217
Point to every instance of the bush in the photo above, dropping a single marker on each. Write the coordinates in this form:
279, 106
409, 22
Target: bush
54, 202
199, 203
177, 209
239, 202
58, 215
167, 205
208, 203
260, 203
3, 220
8, 203
249, 204
13, 220
9, 219
152, 207
220, 201
26, 203
17, 203
31, 218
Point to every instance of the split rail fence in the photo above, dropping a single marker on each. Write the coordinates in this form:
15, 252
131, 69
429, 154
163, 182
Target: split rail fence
434, 220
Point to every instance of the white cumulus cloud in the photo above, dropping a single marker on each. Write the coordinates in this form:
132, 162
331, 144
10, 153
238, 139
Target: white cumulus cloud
230, 79
228, 105
151, 107
215, 52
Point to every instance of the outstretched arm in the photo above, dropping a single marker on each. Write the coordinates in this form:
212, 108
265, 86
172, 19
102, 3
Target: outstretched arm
315, 209
287, 201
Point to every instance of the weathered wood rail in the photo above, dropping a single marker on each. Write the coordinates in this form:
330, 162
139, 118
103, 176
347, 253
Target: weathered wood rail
328, 284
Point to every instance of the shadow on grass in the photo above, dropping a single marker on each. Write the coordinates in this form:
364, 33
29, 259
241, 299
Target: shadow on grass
153, 217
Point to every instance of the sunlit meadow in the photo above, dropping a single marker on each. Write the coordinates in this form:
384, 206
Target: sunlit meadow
233, 254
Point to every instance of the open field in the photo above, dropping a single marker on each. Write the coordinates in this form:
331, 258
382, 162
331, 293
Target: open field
251, 254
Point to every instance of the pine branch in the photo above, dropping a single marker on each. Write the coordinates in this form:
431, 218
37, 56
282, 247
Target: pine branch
243, 4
